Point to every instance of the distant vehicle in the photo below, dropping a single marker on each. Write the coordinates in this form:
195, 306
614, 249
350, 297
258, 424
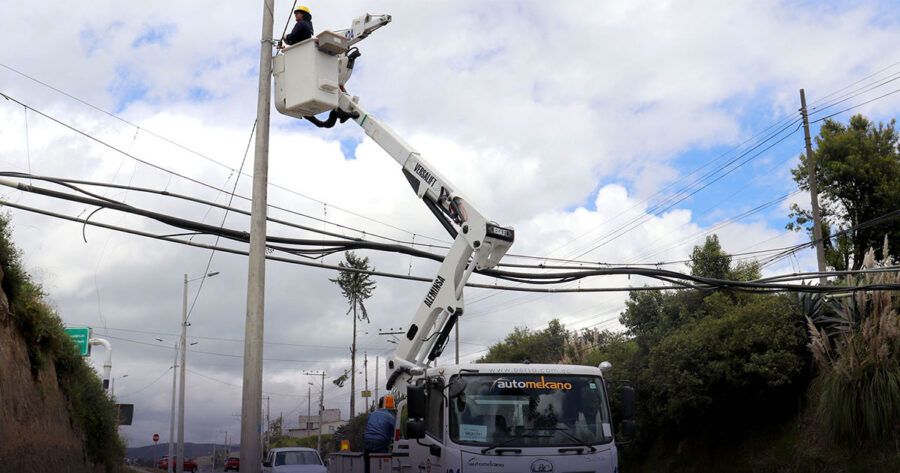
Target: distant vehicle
293, 460
189, 464
233, 464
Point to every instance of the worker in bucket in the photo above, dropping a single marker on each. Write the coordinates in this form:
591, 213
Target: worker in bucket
303, 30
379, 429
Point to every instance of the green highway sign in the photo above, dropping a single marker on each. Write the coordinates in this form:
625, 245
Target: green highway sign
81, 336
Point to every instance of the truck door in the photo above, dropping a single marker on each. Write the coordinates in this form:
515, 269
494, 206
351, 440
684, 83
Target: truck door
427, 455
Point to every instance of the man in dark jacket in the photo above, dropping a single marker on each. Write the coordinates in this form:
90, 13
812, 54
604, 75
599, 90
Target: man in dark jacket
303, 30
379, 429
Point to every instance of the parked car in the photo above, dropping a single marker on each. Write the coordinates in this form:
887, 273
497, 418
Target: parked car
293, 460
233, 464
189, 464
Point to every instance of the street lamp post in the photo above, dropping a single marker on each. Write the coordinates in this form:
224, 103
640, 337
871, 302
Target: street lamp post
179, 467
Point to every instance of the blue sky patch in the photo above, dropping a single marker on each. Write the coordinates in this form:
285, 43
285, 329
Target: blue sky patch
92, 39
348, 146
127, 87
155, 35
200, 94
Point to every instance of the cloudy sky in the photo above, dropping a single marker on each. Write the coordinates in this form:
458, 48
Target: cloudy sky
600, 131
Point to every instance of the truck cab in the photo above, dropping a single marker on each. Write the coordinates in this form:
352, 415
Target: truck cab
510, 417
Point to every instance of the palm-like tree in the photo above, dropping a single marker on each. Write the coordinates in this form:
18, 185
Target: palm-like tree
356, 286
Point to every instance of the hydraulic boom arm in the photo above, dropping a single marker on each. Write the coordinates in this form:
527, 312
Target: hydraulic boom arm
307, 83
478, 243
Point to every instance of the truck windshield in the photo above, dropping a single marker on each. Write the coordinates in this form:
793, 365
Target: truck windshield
531, 410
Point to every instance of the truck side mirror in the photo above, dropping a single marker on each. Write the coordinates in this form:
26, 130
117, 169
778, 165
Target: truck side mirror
415, 429
627, 395
457, 387
629, 428
415, 402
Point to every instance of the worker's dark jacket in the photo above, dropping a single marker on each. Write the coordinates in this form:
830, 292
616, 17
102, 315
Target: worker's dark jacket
379, 431
303, 30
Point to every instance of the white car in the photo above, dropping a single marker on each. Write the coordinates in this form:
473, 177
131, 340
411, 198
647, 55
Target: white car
293, 460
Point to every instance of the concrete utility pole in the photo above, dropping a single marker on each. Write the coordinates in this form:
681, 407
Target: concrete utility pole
179, 467
376, 378
366, 369
251, 398
170, 468
321, 414
268, 425
813, 189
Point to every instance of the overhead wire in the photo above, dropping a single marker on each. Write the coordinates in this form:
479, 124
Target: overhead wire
824, 98
620, 231
222, 225
212, 353
683, 281
127, 394
677, 279
195, 153
662, 191
855, 106
856, 92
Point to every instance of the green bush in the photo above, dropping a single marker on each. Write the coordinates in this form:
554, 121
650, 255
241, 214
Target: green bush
726, 370
92, 412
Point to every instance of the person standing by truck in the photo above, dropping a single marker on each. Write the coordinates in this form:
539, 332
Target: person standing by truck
379, 429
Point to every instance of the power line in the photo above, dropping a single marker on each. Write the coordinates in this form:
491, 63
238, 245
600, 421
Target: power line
218, 339
197, 153
212, 353
634, 223
687, 186
824, 98
678, 280
135, 393
222, 225
196, 181
856, 106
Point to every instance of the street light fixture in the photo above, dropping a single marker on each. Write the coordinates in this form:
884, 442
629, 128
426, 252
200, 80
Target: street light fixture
179, 468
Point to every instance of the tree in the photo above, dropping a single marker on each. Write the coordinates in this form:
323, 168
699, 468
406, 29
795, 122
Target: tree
356, 287
539, 346
709, 260
711, 361
858, 173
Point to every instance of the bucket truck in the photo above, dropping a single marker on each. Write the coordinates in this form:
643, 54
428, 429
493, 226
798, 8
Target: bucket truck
467, 417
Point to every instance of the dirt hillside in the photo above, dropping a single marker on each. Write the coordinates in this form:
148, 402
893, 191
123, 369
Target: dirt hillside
36, 433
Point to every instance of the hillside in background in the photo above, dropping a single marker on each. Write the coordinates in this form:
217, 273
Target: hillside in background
191, 450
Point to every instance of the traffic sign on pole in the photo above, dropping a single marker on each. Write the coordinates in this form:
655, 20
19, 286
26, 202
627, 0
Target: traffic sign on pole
81, 336
155, 438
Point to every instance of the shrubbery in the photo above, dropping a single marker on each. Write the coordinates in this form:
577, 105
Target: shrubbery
92, 412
